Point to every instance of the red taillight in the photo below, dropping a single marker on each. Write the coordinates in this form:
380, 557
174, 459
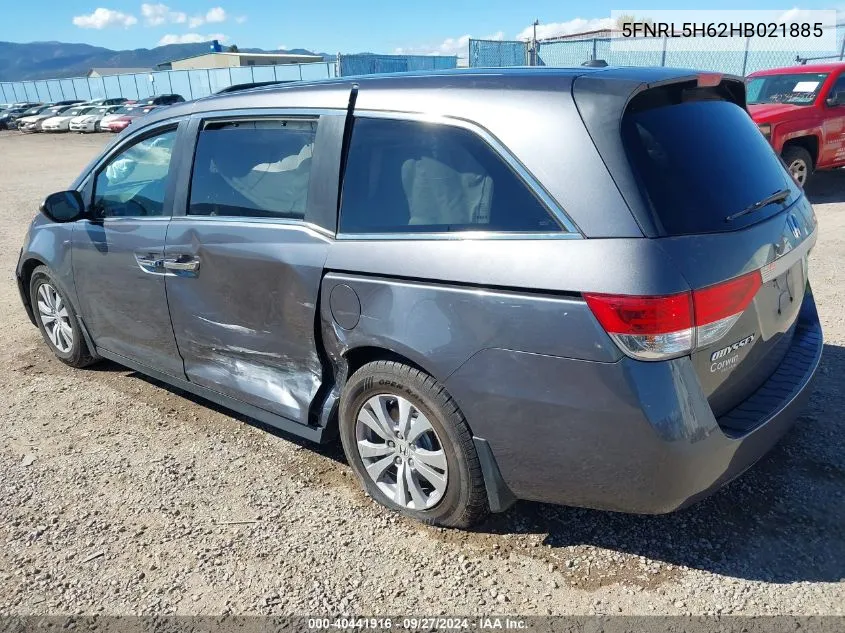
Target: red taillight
659, 327
726, 299
624, 314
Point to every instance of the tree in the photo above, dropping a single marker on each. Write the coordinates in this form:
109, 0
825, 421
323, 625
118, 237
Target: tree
233, 48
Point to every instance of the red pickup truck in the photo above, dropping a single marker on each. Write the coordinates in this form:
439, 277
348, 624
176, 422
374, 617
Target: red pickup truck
801, 111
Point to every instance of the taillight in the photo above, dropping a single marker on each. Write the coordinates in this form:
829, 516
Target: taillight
660, 327
718, 307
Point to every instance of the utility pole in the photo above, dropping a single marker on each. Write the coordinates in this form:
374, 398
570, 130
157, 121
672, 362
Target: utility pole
533, 60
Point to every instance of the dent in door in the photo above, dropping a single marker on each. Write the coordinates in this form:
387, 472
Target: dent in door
246, 323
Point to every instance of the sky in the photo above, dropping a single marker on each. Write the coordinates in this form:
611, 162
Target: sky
328, 26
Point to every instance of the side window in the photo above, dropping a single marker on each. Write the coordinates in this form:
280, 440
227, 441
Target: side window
253, 168
839, 88
133, 183
409, 176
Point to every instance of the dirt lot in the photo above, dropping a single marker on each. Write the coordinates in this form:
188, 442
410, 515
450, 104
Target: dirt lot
119, 495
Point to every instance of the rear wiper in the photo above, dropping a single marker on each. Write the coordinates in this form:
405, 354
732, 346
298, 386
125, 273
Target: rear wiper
777, 196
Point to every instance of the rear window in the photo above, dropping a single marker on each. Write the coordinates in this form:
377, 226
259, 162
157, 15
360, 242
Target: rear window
701, 161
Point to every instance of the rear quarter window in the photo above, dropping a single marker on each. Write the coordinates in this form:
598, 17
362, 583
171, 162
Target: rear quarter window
419, 177
701, 161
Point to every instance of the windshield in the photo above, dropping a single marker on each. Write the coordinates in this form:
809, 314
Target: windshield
794, 88
34, 110
77, 111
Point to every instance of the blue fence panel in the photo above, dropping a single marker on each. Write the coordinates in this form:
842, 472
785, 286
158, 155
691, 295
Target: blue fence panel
111, 86
311, 72
287, 73
631, 53
41, 90
97, 88
496, 54
68, 91
263, 73
369, 64
146, 88
180, 82
81, 89
128, 86
567, 53
30, 91
161, 83
54, 90
241, 75
200, 85
218, 78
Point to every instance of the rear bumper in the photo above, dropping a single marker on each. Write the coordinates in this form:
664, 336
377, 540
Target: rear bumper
629, 436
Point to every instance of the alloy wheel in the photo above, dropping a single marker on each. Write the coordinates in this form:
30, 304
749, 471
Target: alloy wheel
401, 452
798, 169
55, 318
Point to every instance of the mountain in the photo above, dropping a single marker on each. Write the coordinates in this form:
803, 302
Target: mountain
53, 60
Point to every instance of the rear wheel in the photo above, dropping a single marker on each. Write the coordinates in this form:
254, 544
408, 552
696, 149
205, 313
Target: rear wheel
57, 320
410, 446
799, 163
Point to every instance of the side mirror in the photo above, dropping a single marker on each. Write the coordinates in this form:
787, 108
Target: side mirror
835, 99
64, 206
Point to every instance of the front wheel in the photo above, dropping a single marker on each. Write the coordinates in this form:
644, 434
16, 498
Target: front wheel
410, 446
799, 163
57, 319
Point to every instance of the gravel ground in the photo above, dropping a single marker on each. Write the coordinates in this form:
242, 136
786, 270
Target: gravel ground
119, 495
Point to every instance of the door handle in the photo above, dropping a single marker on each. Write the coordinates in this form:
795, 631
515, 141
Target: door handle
181, 264
150, 262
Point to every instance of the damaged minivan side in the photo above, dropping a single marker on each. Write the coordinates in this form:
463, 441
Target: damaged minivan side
491, 285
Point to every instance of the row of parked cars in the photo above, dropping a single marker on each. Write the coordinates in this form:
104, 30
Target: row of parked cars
97, 115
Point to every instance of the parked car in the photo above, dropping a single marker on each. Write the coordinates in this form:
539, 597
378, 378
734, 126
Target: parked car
491, 285
121, 110
32, 123
122, 122
61, 122
119, 124
162, 100
90, 122
9, 118
111, 101
12, 121
801, 111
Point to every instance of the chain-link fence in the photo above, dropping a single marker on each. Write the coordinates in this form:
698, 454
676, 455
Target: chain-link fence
368, 64
496, 53
191, 84
738, 57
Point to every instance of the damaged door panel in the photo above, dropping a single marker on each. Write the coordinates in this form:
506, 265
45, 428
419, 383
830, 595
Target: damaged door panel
245, 260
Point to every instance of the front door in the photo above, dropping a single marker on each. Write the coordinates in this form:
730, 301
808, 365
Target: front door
118, 253
244, 268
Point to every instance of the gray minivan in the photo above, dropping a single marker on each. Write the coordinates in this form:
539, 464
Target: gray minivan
581, 286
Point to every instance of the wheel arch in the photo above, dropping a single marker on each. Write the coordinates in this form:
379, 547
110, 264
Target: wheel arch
26, 269
809, 142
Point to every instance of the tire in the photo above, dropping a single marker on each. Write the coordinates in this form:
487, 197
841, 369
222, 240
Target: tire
43, 288
799, 163
462, 500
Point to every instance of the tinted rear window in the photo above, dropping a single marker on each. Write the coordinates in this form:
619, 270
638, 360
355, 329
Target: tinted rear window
701, 161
